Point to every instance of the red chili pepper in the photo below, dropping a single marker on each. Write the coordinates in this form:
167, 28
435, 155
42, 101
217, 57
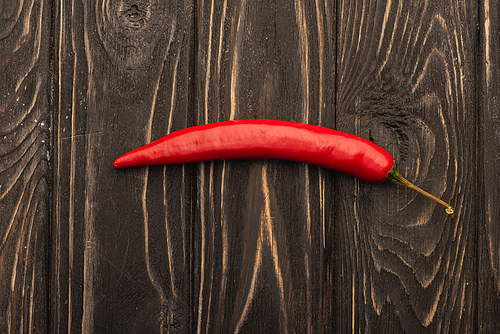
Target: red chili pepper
272, 139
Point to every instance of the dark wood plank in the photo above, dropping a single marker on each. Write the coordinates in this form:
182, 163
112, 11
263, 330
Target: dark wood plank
24, 166
121, 249
405, 80
262, 260
489, 148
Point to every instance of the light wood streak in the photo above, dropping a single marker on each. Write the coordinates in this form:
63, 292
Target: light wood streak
90, 242
235, 66
202, 250
491, 138
209, 58
304, 58
225, 239
321, 59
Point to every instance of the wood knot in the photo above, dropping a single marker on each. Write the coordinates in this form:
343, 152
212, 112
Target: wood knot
130, 29
134, 18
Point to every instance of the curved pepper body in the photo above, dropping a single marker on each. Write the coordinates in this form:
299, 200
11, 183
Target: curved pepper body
266, 139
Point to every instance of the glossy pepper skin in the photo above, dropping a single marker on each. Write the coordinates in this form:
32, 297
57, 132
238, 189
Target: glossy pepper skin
266, 139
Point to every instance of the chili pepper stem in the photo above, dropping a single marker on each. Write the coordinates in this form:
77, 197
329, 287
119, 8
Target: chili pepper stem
395, 177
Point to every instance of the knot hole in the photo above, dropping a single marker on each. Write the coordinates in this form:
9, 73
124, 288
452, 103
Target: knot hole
134, 17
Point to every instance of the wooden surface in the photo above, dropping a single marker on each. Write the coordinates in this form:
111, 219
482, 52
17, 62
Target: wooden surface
248, 246
489, 173
25, 173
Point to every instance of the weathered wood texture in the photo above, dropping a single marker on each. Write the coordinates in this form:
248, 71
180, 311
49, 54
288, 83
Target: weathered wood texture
405, 81
260, 262
489, 174
24, 166
121, 239
247, 246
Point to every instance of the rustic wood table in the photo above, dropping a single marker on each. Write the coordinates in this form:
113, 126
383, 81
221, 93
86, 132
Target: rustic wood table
248, 246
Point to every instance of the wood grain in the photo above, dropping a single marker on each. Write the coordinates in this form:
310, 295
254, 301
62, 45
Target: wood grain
121, 238
405, 82
24, 166
247, 246
260, 262
489, 177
